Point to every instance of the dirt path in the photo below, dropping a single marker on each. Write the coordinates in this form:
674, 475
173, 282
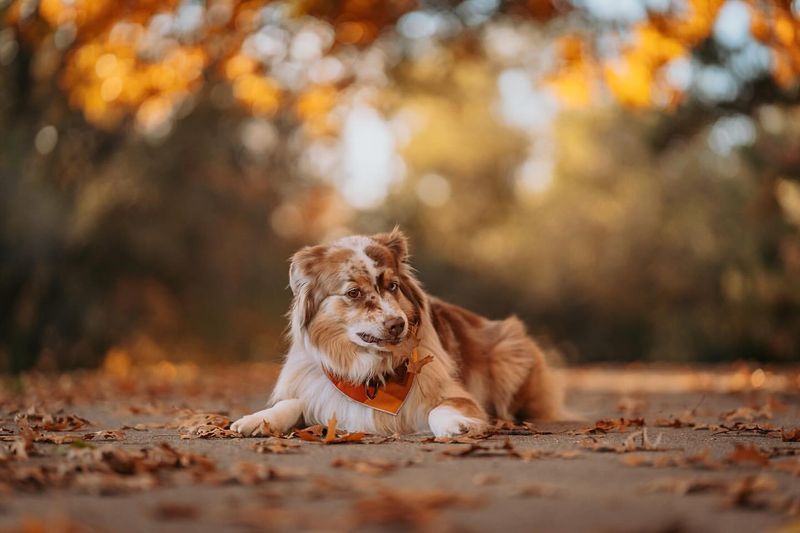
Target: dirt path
554, 478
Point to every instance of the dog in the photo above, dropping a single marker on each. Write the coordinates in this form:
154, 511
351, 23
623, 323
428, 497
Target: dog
371, 348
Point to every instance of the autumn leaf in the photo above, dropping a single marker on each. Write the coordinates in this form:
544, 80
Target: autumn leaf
485, 478
108, 434
630, 444
747, 454
701, 460
536, 490
792, 435
417, 509
373, 466
415, 366
674, 423
607, 425
748, 414
330, 436
274, 445
327, 435
51, 422
176, 511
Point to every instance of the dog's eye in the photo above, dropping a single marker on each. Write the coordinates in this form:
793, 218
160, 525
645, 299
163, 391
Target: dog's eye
354, 293
393, 286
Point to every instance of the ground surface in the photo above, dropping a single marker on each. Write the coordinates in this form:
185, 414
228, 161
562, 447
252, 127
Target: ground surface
731, 466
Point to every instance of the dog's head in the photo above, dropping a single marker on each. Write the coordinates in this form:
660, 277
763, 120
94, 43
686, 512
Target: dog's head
356, 300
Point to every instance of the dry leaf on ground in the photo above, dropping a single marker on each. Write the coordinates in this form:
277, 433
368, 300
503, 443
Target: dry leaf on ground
608, 425
51, 422
205, 426
328, 435
374, 466
748, 414
684, 486
275, 445
791, 435
485, 478
638, 441
743, 454
536, 490
702, 460
404, 508
107, 434
176, 511
506, 449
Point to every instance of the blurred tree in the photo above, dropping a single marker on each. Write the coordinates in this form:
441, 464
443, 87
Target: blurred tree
160, 159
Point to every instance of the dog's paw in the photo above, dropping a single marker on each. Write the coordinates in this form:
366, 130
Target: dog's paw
279, 418
254, 425
448, 422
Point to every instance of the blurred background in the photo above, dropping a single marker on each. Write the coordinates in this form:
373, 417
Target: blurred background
624, 175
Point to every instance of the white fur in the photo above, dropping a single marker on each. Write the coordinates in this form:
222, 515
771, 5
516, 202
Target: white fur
304, 389
445, 421
280, 417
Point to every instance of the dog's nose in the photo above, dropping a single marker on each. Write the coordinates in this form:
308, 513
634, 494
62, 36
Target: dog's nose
395, 326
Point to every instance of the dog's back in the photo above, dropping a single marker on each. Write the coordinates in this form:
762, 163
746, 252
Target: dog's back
499, 363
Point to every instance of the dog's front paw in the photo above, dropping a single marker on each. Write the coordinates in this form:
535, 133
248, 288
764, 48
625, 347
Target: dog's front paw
250, 425
447, 422
279, 418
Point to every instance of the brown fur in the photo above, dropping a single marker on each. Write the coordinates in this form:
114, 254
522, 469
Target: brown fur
480, 366
498, 362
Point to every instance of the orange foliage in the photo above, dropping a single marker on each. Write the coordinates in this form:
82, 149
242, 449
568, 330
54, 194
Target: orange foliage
578, 72
134, 60
636, 78
145, 59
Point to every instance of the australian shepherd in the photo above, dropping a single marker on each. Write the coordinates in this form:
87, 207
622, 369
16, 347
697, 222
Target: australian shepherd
371, 348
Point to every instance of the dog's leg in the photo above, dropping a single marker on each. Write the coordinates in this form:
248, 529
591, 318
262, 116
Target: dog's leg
456, 415
280, 417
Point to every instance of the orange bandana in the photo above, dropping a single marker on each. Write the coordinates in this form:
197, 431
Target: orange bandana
388, 396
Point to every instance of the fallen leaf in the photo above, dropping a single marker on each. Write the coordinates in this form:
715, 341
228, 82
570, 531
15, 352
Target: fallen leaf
702, 460
790, 466
57, 439
274, 445
207, 431
506, 449
792, 435
748, 493
607, 425
145, 427
485, 478
675, 423
311, 433
749, 428
630, 444
683, 486
51, 422
747, 454
748, 414
536, 490
205, 426
108, 434
328, 435
405, 508
415, 367
375, 466
176, 511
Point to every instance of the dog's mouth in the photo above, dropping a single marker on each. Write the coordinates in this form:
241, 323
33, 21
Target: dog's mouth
371, 339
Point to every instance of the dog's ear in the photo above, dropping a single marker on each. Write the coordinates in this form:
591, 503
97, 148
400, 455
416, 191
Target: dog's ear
302, 270
396, 242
